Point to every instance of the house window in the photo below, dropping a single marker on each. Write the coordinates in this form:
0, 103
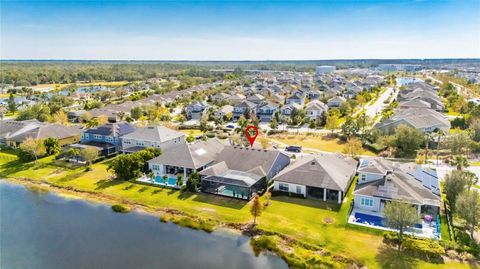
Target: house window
299, 189
367, 202
283, 187
364, 177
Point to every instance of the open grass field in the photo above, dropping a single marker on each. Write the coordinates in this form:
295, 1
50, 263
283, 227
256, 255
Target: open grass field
318, 142
305, 220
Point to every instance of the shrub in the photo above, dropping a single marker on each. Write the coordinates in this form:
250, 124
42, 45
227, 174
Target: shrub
273, 132
197, 224
120, 209
429, 250
263, 243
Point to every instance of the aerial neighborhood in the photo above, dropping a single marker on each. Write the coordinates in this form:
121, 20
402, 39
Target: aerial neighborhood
370, 148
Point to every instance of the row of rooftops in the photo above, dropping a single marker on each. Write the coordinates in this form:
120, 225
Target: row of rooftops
419, 106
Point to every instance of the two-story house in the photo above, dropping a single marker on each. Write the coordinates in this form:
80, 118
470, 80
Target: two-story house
107, 136
315, 109
266, 111
151, 137
297, 97
195, 110
245, 108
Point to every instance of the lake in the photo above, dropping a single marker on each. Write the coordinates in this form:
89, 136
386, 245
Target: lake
45, 230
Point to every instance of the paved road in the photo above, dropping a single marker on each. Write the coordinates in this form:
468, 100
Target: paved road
376, 108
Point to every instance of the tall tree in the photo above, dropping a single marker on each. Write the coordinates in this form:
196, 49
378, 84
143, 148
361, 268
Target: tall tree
460, 162
89, 154
468, 208
406, 141
52, 146
455, 183
60, 117
256, 208
353, 147
350, 127
332, 122
400, 216
12, 106
34, 147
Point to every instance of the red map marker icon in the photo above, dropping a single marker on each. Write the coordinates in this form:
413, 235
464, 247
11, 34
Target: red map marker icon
251, 138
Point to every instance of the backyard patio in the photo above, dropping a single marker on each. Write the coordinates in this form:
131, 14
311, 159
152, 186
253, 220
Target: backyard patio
427, 227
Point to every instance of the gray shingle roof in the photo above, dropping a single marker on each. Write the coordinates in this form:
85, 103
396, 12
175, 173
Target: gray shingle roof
154, 133
18, 131
399, 186
331, 171
190, 156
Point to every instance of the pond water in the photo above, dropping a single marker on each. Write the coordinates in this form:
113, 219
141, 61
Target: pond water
44, 230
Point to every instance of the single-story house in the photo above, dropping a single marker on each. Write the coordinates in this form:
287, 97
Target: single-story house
228, 176
322, 176
13, 133
423, 119
185, 159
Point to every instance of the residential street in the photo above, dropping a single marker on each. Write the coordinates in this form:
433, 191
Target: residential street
376, 108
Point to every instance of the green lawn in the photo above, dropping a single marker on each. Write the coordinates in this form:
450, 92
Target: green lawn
194, 132
305, 220
320, 142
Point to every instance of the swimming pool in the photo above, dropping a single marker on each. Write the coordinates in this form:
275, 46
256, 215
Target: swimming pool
369, 219
171, 181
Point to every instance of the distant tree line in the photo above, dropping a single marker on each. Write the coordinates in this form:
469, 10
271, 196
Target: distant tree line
34, 73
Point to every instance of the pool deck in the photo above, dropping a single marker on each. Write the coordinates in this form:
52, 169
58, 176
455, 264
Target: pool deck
427, 230
145, 179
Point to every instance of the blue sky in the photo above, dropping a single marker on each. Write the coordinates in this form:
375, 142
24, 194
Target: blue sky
239, 30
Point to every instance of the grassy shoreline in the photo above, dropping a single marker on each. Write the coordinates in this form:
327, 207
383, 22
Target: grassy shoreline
295, 253
288, 220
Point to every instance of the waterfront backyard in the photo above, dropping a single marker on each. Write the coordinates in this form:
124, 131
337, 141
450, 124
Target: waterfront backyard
309, 221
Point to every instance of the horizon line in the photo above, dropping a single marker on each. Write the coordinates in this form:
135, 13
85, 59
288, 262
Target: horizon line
239, 60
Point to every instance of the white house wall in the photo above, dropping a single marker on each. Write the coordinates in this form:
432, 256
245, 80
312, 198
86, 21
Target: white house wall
374, 208
291, 187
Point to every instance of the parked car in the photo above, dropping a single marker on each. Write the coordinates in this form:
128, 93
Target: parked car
293, 149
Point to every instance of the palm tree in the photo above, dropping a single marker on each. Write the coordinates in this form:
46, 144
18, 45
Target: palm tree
428, 138
440, 133
460, 162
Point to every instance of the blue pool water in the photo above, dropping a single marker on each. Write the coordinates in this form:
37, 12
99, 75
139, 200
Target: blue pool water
170, 181
371, 220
